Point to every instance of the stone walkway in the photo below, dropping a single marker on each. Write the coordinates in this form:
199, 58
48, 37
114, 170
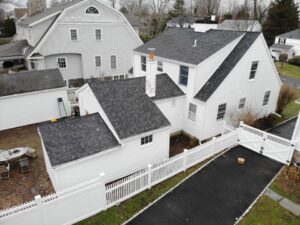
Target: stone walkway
284, 202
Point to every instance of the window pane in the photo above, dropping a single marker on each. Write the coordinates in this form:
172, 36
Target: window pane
183, 76
73, 35
143, 63
98, 61
62, 63
92, 10
221, 111
253, 70
98, 34
150, 138
193, 108
113, 60
142, 141
266, 97
242, 103
160, 66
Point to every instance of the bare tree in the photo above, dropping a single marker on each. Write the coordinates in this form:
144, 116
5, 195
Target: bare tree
206, 7
134, 6
287, 95
249, 115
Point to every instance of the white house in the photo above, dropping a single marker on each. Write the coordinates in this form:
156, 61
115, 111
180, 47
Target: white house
84, 38
240, 25
32, 97
221, 72
121, 130
288, 43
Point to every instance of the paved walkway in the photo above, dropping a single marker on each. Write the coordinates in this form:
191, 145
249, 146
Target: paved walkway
284, 202
218, 194
285, 130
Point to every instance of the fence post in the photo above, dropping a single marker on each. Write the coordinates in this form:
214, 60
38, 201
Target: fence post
39, 204
264, 139
239, 131
185, 159
149, 176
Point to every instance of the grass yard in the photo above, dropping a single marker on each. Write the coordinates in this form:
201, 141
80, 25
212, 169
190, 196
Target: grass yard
119, 214
268, 212
286, 186
4, 41
288, 70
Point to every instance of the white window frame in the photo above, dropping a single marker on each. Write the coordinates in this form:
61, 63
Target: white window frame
77, 36
99, 57
192, 114
143, 64
221, 114
160, 66
242, 103
95, 33
116, 62
253, 71
147, 140
266, 99
57, 60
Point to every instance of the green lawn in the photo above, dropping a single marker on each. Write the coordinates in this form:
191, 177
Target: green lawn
4, 41
269, 212
288, 70
119, 214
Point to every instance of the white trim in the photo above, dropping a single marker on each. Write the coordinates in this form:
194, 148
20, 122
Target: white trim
95, 35
77, 35
62, 57
34, 92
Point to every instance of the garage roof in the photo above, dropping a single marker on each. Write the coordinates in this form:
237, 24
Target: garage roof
30, 81
75, 138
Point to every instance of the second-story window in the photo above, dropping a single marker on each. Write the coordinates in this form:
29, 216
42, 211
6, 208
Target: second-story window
143, 63
98, 34
221, 111
74, 36
62, 63
98, 61
183, 75
146, 140
113, 62
253, 70
160, 66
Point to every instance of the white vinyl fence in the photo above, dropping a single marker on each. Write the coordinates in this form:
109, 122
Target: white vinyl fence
267, 144
82, 202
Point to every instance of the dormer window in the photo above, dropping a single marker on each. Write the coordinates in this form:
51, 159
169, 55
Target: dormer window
92, 10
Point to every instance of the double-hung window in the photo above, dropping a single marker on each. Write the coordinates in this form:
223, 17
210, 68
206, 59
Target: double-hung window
242, 103
113, 62
146, 140
221, 111
98, 34
266, 97
74, 36
160, 66
143, 63
253, 70
98, 61
192, 112
62, 63
184, 75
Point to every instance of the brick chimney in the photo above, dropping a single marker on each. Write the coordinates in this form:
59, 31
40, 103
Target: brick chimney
151, 73
36, 6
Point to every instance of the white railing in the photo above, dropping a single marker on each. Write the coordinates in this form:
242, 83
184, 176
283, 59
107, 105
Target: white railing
94, 196
154, 174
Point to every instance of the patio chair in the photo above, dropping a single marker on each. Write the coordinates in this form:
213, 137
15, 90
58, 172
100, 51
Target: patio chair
4, 171
24, 165
31, 153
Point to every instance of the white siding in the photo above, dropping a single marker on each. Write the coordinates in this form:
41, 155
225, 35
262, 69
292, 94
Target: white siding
21, 110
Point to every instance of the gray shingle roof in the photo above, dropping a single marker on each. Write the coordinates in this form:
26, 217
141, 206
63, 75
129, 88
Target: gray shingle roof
129, 109
13, 49
295, 34
226, 67
51, 11
285, 47
183, 20
240, 25
74, 138
177, 44
30, 81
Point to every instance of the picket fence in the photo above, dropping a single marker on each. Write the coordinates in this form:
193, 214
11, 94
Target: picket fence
88, 199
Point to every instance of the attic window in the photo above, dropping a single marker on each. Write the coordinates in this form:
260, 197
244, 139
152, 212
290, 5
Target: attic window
92, 10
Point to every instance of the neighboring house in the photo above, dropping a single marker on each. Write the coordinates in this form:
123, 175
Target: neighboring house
221, 73
32, 97
122, 129
201, 24
84, 38
288, 43
240, 25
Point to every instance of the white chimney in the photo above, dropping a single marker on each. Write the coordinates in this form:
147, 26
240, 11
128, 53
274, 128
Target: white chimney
151, 73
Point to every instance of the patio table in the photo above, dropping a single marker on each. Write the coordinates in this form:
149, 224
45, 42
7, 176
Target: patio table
12, 154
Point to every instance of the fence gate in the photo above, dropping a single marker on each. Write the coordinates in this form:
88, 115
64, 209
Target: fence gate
267, 144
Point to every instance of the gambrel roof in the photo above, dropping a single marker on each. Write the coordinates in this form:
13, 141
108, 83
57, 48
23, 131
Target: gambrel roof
127, 106
226, 67
178, 44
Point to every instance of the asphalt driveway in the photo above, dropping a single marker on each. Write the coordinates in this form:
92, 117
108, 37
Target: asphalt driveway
216, 195
285, 130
